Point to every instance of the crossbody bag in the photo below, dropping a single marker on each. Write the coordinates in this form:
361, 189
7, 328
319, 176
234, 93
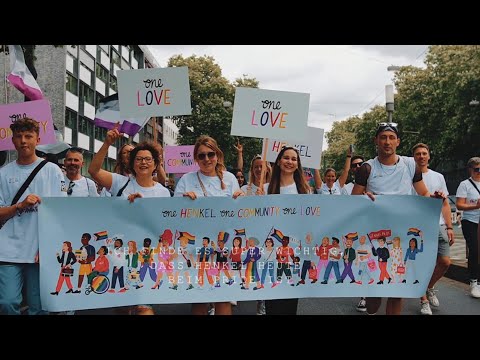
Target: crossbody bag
24, 187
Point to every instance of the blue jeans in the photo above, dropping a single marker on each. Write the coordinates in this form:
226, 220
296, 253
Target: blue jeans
12, 279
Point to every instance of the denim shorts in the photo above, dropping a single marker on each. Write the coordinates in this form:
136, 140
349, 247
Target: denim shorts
443, 243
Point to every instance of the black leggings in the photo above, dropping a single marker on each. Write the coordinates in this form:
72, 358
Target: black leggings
470, 233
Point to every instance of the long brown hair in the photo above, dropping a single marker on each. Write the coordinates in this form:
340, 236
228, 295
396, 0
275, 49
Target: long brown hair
212, 144
302, 185
120, 167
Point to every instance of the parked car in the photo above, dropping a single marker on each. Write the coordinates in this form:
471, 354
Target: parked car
456, 214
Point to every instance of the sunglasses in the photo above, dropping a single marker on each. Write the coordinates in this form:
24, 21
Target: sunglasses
202, 156
477, 170
357, 164
70, 188
387, 126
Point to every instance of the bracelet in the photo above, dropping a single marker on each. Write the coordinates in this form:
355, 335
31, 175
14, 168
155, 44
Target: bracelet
449, 228
349, 155
17, 210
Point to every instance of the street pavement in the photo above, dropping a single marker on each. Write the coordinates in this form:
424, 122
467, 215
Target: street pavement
453, 296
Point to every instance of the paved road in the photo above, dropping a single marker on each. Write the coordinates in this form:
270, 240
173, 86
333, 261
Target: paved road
453, 295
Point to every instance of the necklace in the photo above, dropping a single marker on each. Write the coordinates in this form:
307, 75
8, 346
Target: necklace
391, 171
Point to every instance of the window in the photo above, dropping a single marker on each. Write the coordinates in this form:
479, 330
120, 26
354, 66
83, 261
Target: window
71, 119
100, 133
102, 73
115, 58
104, 48
85, 126
72, 84
113, 83
98, 97
87, 93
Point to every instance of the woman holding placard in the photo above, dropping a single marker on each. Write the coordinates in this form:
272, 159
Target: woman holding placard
287, 178
211, 180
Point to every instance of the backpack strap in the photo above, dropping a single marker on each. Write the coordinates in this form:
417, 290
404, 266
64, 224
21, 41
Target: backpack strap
28, 181
120, 192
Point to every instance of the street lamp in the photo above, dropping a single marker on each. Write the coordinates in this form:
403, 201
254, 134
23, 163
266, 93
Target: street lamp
389, 101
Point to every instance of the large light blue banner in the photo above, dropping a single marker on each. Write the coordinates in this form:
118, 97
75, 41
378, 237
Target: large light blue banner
95, 252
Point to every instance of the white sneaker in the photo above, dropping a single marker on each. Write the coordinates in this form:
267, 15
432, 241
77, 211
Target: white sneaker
211, 310
432, 298
425, 309
362, 305
474, 289
234, 303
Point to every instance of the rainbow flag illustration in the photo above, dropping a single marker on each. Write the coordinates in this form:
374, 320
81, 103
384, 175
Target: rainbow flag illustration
222, 235
413, 231
240, 232
277, 234
183, 234
101, 235
352, 236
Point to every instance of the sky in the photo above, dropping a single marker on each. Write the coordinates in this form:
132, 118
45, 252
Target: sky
342, 80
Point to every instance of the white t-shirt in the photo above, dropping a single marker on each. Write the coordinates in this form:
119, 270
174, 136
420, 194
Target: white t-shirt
347, 188
289, 189
335, 190
83, 187
249, 192
392, 179
19, 236
189, 182
119, 181
435, 181
467, 191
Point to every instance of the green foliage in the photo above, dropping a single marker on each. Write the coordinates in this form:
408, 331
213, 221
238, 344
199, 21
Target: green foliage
209, 92
431, 106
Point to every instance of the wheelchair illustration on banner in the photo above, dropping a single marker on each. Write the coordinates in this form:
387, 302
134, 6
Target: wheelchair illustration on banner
97, 283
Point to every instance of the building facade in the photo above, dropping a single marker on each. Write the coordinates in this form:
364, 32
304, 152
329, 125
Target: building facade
74, 78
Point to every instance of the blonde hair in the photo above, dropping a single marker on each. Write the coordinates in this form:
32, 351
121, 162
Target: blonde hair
212, 144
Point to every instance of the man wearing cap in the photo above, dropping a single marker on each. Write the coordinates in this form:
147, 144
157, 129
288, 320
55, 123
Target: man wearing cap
389, 174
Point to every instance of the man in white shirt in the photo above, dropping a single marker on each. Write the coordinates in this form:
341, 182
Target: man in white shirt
19, 236
435, 182
389, 174
77, 185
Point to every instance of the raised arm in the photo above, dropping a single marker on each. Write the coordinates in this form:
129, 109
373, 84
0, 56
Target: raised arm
239, 148
103, 177
317, 178
346, 168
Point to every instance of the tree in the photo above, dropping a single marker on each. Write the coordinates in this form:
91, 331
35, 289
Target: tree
210, 116
435, 102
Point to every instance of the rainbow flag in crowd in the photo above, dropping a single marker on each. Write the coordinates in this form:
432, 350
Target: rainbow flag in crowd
413, 231
352, 236
240, 232
277, 234
101, 235
183, 234
222, 235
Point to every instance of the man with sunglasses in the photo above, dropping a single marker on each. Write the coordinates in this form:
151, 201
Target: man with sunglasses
389, 174
355, 163
78, 185
435, 181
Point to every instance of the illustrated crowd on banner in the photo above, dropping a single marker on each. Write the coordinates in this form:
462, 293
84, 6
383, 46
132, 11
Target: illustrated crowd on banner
184, 261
